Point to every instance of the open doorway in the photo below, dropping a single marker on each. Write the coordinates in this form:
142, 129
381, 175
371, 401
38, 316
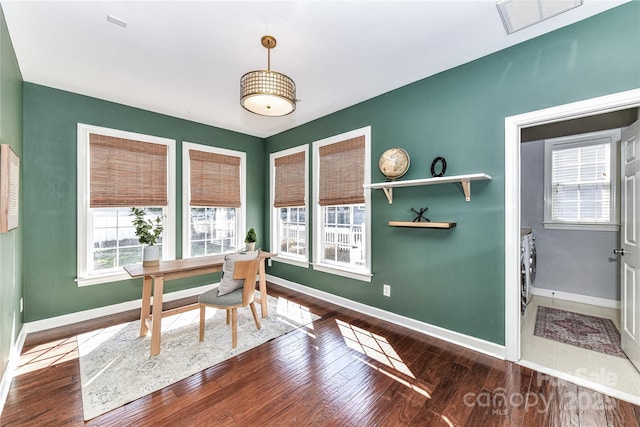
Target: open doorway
569, 208
514, 127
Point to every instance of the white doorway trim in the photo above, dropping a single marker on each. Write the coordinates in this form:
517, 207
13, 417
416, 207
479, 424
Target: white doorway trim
513, 124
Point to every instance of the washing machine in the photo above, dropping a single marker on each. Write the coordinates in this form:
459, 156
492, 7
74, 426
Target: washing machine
533, 259
528, 260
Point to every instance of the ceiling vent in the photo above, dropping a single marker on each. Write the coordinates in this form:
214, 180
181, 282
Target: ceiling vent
519, 14
117, 21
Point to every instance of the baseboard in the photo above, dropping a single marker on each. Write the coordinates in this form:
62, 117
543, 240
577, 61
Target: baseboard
81, 316
582, 299
472, 343
7, 376
583, 382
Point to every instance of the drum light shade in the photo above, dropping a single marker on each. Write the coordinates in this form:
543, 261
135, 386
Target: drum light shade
266, 92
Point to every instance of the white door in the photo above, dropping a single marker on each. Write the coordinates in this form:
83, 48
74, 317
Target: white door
630, 236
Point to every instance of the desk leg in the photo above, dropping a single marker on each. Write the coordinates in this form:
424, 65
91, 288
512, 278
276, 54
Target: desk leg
156, 317
146, 307
263, 290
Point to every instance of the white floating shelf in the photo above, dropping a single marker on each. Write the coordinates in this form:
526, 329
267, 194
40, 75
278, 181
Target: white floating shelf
422, 224
464, 180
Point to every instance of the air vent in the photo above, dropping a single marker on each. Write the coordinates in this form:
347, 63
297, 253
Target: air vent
519, 14
117, 21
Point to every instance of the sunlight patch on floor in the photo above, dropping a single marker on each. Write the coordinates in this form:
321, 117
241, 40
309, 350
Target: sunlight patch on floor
446, 420
185, 319
406, 383
381, 351
297, 313
45, 355
374, 346
96, 339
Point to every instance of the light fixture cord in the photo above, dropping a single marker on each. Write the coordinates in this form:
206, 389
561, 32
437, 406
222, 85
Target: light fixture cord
268, 59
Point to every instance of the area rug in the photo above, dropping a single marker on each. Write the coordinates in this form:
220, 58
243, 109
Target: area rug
590, 332
116, 367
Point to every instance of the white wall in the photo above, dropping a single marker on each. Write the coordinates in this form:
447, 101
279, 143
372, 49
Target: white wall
574, 261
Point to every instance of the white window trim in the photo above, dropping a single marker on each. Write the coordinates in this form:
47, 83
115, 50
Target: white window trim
273, 212
359, 274
241, 226
578, 141
84, 221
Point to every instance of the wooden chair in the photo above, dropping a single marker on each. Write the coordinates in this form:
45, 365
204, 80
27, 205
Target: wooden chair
230, 302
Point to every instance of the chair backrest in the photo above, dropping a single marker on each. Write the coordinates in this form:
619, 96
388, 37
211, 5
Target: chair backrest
247, 270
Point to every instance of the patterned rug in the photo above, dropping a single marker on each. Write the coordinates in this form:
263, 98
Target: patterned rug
116, 367
590, 332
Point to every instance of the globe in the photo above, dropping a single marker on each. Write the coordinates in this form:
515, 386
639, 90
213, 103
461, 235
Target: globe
394, 163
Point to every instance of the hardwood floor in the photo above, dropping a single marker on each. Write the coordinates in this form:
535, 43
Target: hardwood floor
350, 370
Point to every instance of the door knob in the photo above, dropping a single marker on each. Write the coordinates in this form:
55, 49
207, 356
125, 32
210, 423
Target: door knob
618, 252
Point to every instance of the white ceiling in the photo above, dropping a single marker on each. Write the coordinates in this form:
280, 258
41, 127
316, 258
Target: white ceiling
185, 59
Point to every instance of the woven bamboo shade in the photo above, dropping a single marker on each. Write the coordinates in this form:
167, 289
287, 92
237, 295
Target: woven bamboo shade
215, 179
342, 173
290, 180
126, 172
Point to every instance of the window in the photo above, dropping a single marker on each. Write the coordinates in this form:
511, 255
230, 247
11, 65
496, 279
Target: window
341, 208
289, 187
580, 181
118, 170
343, 235
114, 239
213, 199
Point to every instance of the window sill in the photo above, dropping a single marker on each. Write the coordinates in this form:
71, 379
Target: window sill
292, 261
103, 278
352, 274
578, 226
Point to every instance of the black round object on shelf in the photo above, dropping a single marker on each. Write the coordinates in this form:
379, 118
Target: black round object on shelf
443, 166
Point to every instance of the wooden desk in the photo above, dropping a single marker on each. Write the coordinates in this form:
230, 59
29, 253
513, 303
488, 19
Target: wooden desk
178, 269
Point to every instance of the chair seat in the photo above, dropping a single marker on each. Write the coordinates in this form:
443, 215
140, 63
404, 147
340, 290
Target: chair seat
243, 297
211, 297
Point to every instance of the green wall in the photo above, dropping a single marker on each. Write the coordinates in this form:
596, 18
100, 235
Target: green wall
455, 278
10, 242
49, 170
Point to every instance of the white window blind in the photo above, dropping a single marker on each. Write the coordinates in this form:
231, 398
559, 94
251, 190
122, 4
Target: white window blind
581, 184
580, 181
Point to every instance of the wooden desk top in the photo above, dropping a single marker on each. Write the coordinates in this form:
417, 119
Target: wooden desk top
212, 263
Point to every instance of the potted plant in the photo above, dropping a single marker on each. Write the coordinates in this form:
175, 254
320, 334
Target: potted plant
251, 239
148, 232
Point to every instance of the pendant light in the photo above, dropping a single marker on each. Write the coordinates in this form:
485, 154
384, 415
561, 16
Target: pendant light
266, 92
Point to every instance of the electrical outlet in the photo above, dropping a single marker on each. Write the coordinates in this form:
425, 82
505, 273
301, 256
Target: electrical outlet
269, 262
386, 290
21, 305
